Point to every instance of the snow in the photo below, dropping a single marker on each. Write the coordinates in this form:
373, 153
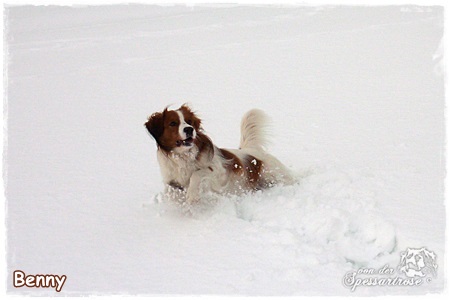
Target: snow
356, 97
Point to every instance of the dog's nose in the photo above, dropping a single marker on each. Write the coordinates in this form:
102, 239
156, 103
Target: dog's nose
188, 130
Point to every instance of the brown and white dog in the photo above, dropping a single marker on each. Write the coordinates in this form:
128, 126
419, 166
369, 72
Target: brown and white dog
192, 164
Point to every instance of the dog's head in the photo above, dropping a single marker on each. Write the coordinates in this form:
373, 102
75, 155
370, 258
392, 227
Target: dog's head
174, 130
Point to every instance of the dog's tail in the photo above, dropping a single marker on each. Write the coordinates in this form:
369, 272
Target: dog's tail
254, 130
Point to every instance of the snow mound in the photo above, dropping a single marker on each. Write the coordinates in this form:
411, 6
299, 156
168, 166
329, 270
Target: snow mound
328, 211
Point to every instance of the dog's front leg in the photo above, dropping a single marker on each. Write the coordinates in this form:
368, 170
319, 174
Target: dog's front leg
197, 185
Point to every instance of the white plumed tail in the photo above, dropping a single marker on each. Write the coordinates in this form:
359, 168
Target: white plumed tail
254, 130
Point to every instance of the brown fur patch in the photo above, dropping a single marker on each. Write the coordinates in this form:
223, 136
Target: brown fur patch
253, 168
250, 167
205, 147
234, 164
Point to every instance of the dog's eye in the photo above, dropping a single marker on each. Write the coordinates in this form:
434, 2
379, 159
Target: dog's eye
189, 122
173, 123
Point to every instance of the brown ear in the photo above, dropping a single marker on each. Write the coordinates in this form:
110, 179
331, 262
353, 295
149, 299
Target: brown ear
196, 123
155, 125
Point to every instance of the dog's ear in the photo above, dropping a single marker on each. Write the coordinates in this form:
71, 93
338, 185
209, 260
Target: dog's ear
155, 125
196, 123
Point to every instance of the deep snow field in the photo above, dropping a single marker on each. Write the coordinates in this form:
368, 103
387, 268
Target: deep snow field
356, 98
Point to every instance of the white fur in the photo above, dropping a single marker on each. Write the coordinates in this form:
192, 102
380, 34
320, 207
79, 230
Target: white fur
196, 176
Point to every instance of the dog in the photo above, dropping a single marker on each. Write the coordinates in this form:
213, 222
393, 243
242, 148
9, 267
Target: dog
191, 164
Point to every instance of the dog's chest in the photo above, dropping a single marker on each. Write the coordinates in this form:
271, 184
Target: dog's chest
177, 169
